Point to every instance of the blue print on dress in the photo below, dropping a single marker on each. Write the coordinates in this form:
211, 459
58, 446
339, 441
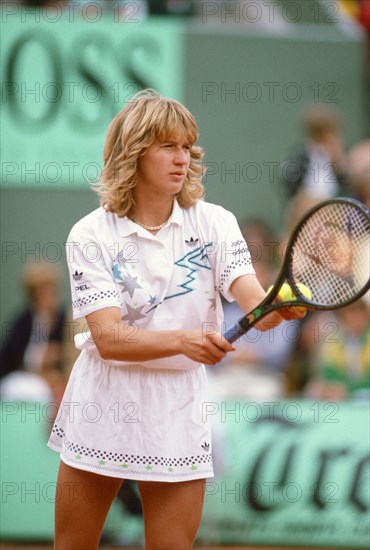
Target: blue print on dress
197, 257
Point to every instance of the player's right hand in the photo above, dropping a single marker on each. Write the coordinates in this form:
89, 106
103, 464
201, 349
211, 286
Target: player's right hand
207, 348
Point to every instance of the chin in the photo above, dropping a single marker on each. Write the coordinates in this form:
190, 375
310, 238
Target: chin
175, 189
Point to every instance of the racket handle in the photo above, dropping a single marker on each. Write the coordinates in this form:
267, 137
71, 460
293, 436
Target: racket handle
232, 334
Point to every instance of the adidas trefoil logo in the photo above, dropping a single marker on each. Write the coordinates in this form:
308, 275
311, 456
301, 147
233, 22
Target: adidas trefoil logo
192, 242
205, 447
77, 276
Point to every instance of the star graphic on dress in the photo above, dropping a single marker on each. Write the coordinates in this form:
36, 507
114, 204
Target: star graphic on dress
213, 302
133, 314
149, 467
130, 284
101, 462
194, 467
124, 465
152, 300
170, 469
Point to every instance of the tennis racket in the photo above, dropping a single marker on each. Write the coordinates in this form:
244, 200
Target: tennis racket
328, 252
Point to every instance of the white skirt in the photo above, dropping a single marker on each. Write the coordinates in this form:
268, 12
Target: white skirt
134, 422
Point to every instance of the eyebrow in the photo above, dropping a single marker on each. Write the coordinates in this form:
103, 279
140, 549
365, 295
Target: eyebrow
174, 142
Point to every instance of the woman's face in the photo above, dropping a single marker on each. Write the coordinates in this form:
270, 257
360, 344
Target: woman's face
163, 167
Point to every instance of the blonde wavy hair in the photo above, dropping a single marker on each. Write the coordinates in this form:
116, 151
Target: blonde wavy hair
146, 118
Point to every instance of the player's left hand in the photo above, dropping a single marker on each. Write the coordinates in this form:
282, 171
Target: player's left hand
292, 312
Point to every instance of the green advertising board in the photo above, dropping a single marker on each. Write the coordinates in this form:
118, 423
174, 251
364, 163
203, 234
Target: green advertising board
289, 473
63, 80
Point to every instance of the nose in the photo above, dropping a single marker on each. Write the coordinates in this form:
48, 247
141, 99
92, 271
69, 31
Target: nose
181, 156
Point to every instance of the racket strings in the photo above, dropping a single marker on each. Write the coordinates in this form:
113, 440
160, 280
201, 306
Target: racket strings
330, 254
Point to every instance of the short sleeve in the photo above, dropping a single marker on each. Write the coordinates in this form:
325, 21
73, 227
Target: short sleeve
232, 258
90, 269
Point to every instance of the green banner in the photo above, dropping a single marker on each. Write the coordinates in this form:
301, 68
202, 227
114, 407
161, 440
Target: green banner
63, 80
289, 473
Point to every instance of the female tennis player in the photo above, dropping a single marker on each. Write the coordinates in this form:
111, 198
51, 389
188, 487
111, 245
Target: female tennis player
147, 270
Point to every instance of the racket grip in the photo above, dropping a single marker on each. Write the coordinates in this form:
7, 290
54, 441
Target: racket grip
232, 334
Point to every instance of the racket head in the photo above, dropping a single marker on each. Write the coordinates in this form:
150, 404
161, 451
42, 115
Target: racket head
329, 252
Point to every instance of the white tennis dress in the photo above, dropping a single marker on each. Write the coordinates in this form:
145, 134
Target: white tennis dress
146, 421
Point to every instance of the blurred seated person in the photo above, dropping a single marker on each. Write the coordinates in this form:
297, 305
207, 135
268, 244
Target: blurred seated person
342, 363
33, 341
317, 169
359, 171
256, 368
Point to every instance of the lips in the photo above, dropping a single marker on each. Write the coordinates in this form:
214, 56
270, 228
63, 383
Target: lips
178, 173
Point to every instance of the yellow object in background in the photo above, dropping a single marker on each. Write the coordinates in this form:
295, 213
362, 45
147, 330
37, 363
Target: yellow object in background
350, 7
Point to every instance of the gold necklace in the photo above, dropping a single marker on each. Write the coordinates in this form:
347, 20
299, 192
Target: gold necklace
150, 227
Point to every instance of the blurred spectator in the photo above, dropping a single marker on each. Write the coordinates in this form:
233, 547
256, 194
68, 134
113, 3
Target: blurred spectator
304, 350
256, 368
33, 344
263, 247
316, 170
359, 171
171, 7
359, 10
342, 364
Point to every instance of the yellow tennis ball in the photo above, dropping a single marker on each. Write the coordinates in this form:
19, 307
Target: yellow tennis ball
303, 289
286, 294
306, 293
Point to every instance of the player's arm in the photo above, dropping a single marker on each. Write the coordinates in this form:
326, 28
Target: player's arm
118, 341
248, 292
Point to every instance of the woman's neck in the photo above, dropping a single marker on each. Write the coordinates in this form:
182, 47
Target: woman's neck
152, 213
